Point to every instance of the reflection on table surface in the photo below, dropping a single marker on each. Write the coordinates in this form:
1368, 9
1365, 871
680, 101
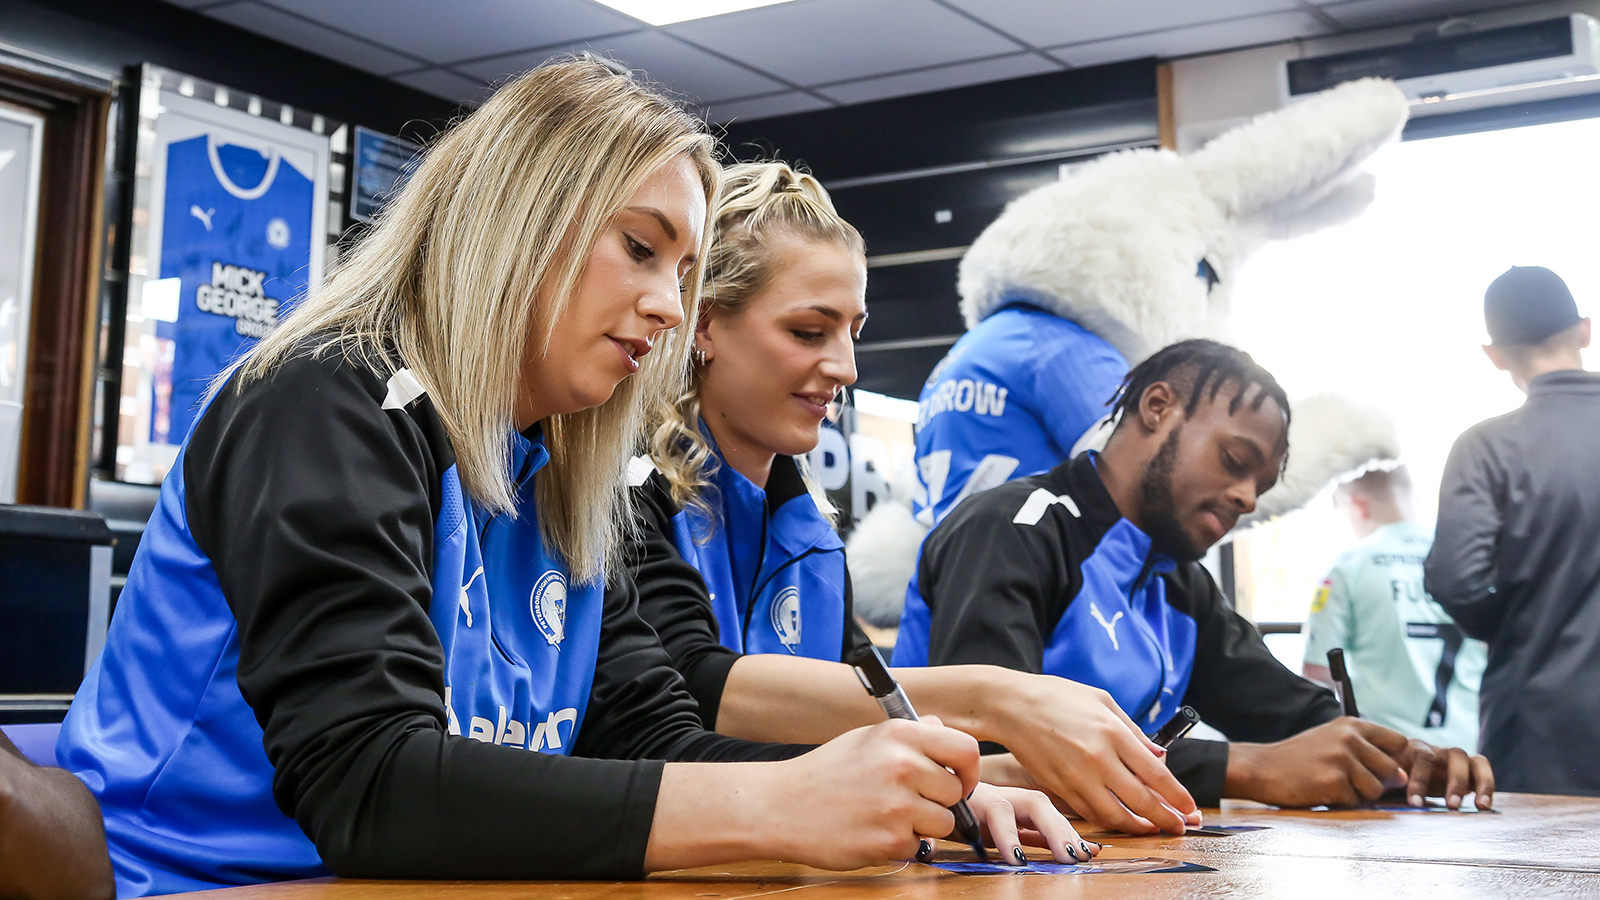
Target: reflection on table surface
1537, 847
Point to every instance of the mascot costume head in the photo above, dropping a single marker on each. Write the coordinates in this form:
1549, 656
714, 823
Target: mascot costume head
1080, 279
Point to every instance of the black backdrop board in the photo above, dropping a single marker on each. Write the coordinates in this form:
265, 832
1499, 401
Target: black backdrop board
55, 572
922, 176
999, 120
904, 215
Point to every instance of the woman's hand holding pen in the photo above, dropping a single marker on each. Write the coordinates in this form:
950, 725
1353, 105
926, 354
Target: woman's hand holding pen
1075, 743
864, 798
1013, 817
869, 795
880, 790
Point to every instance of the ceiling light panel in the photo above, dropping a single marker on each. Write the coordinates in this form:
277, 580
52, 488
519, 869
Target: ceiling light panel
665, 12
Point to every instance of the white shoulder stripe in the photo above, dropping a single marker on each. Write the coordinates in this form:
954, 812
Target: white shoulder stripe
1034, 507
640, 468
403, 388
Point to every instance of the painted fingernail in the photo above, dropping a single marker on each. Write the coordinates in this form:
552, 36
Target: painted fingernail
924, 851
1022, 858
1416, 800
1086, 854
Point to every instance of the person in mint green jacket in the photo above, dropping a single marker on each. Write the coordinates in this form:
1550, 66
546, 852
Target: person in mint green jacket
1411, 667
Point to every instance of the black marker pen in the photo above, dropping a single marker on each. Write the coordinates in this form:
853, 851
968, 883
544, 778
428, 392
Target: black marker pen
1177, 726
881, 685
1341, 676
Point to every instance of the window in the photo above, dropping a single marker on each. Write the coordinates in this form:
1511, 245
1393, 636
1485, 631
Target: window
1388, 309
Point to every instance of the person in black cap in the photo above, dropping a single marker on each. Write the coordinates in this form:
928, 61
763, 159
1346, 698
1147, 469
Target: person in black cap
1515, 558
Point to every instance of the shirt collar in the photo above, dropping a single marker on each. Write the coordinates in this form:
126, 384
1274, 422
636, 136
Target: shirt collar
1081, 476
784, 482
1565, 381
528, 453
1402, 528
742, 502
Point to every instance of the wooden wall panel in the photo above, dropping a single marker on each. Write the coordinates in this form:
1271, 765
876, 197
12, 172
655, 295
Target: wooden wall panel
53, 463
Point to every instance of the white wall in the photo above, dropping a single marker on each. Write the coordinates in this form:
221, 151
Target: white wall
1212, 93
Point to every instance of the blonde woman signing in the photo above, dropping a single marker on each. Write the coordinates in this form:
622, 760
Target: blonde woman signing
369, 629
741, 573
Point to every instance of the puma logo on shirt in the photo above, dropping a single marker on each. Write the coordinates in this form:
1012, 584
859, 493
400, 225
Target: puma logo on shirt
466, 607
1110, 627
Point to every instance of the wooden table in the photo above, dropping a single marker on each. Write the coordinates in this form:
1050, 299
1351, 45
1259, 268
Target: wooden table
1537, 847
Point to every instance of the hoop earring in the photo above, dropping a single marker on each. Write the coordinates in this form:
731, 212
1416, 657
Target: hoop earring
699, 356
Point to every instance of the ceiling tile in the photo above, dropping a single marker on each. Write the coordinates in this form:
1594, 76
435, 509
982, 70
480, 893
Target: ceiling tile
763, 107
958, 75
446, 84
821, 41
1362, 14
1195, 39
1047, 23
311, 37
703, 77
443, 32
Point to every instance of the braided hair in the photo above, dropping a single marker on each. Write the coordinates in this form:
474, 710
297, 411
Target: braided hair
1193, 366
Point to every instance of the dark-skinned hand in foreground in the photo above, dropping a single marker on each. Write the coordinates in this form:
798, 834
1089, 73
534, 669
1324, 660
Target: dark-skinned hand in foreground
52, 841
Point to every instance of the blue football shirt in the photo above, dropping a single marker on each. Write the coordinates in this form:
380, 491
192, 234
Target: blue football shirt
237, 231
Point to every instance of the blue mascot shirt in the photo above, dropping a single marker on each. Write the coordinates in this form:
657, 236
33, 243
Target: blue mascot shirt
1009, 400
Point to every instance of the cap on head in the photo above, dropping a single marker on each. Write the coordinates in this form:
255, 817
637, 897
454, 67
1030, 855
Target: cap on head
1526, 305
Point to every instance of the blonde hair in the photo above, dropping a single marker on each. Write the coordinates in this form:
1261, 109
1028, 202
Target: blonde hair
478, 256
760, 204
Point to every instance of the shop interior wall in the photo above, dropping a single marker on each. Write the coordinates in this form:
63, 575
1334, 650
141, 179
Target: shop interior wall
110, 36
111, 39
921, 176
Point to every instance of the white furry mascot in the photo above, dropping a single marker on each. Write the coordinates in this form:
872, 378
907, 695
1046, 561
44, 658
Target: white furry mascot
1078, 280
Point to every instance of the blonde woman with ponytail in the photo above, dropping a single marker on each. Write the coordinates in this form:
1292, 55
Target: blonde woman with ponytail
742, 575
370, 631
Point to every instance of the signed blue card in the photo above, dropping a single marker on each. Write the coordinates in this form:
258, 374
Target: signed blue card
1143, 865
1221, 830
1431, 806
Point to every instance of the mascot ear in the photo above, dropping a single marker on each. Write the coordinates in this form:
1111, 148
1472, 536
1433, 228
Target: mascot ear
1345, 202
1329, 437
1291, 158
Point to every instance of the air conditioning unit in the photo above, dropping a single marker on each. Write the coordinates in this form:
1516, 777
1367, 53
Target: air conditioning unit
1470, 70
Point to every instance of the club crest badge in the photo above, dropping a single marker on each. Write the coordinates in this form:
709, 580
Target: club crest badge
548, 603
277, 233
1319, 600
786, 617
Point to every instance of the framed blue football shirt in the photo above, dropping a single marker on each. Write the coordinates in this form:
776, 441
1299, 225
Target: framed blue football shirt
237, 231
